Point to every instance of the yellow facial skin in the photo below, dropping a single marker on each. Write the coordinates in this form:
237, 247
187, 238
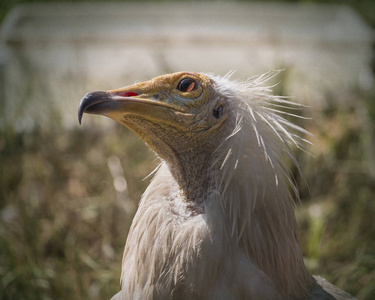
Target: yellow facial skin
165, 90
180, 105
179, 97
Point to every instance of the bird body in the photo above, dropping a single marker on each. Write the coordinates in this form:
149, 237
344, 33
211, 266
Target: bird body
184, 256
217, 220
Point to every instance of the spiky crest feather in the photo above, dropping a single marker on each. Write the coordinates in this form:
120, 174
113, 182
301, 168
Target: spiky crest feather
254, 181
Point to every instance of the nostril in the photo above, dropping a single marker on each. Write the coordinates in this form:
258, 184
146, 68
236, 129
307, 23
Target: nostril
127, 94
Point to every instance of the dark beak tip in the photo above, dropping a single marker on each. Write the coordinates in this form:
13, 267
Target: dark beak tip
81, 109
90, 99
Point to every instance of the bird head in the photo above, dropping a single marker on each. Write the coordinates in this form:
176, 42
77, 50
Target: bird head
171, 113
199, 123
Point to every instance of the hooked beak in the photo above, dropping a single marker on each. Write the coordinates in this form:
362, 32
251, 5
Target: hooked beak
95, 103
115, 106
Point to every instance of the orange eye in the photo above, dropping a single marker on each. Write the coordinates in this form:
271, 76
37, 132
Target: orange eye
187, 85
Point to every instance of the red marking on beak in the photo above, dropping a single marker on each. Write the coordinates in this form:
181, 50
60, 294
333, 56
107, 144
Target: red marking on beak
127, 94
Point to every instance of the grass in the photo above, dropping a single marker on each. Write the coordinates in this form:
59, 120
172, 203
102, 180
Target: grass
63, 226
336, 219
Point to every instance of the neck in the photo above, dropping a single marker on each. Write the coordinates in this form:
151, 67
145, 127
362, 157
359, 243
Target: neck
245, 208
190, 170
257, 210
255, 204
188, 166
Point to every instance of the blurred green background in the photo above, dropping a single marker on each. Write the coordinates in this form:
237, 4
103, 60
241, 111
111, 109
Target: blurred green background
63, 227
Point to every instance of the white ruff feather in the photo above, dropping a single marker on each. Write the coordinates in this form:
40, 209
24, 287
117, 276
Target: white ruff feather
245, 245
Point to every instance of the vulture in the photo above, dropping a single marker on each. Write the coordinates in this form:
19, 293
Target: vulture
217, 220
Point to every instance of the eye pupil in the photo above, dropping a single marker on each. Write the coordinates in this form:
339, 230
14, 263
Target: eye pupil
218, 112
187, 85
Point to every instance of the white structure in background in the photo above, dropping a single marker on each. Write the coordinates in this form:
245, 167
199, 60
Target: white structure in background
53, 53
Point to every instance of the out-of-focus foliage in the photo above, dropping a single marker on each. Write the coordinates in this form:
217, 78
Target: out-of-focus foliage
365, 7
62, 226
338, 207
